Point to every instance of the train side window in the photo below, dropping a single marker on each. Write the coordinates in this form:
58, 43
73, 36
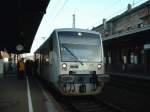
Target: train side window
109, 60
142, 56
51, 45
46, 59
51, 50
104, 59
109, 56
50, 57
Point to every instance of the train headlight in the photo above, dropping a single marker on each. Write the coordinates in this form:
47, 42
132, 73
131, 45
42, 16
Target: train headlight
99, 66
64, 66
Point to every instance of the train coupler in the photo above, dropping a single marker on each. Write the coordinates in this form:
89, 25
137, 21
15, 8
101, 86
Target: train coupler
82, 88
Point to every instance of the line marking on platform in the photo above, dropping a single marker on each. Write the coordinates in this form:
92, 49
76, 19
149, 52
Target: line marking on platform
29, 97
49, 104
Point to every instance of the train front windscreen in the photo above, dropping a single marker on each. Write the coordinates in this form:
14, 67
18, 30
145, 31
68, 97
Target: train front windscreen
79, 46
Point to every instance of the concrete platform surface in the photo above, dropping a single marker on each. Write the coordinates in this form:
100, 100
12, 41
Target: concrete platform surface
25, 96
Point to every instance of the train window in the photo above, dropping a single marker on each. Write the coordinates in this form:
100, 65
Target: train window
85, 38
142, 56
51, 43
85, 47
50, 57
109, 60
104, 59
45, 58
76, 34
74, 52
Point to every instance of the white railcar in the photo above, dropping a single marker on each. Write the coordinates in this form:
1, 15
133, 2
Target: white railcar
72, 60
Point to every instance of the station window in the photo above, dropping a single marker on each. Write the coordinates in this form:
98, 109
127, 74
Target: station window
135, 58
140, 25
131, 57
142, 57
124, 59
124, 56
109, 56
129, 28
118, 58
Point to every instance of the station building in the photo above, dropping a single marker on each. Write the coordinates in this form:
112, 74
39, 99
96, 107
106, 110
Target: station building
126, 40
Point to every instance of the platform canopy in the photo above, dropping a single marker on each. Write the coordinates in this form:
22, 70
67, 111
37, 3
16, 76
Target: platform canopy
19, 21
135, 36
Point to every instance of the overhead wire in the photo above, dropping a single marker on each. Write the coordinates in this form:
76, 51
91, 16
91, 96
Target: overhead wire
138, 2
52, 6
53, 18
107, 9
59, 11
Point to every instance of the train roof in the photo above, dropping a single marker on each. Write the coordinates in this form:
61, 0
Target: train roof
68, 30
76, 30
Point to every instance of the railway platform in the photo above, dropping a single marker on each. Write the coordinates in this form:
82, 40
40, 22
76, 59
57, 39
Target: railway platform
25, 96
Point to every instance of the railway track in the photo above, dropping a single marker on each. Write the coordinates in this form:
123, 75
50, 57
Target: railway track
87, 104
134, 84
82, 103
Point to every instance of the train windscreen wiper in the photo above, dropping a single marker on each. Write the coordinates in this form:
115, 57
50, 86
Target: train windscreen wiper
72, 54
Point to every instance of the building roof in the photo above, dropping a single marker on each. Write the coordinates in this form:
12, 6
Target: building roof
126, 33
138, 35
19, 21
128, 12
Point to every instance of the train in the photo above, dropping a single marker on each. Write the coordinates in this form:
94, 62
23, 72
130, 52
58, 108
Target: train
72, 60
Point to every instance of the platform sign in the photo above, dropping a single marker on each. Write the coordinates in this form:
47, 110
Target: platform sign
147, 46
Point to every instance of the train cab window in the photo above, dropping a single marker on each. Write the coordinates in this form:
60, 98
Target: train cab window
80, 47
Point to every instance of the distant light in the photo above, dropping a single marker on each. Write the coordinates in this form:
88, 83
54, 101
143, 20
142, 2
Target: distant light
79, 34
5, 59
